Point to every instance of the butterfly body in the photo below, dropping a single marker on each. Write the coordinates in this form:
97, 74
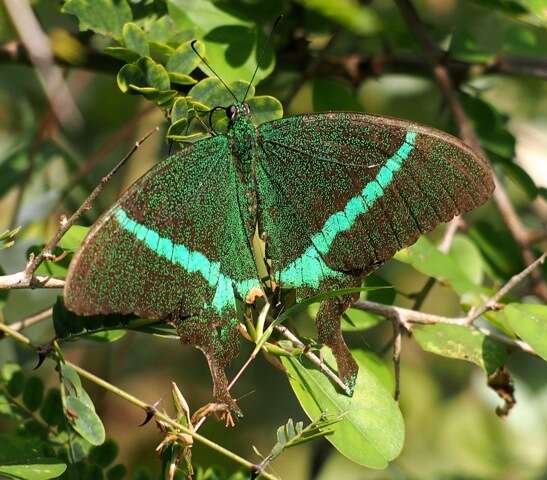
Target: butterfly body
333, 195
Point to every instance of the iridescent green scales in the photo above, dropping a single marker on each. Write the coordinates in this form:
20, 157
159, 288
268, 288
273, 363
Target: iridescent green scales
333, 195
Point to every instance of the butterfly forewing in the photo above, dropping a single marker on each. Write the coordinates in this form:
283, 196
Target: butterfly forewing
342, 192
173, 244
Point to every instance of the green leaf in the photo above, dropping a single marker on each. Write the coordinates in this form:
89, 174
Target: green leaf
177, 129
179, 110
498, 247
143, 76
102, 16
7, 409
155, 74
13, 377
371, 430
85, 421
212, 93
7, 32
355, 320
72, 385
184, 60
130, 74
105, 336
530, 323
532, 11
427, 259
491, 126
521, 178
24, 459
17, 162
265, 108
463, 343
160, 52
468, 256
135, 39
7, 238
181, 79
72, 239
350, 14
233, 43
104, 454
33, 393
122, 53
290, 435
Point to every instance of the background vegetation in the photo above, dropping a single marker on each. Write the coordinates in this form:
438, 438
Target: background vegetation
81, 81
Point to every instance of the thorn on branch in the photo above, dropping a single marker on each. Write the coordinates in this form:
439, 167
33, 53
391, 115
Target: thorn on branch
43, 352
150, 412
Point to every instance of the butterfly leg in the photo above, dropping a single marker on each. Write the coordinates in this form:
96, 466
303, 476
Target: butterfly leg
329, 332
217, 338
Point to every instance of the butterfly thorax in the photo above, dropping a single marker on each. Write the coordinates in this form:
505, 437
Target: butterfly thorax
243, 138
243, 141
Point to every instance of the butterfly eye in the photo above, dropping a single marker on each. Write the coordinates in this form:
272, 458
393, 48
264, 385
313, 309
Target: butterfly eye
232, 112
246, 109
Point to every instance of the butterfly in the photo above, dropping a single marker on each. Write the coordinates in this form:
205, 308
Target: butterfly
332, 195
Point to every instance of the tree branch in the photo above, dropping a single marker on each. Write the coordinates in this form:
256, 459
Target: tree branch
22, 280
313, 358
32, 320
407, 318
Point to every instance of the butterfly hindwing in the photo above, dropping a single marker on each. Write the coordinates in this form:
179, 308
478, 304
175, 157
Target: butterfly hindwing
340, 193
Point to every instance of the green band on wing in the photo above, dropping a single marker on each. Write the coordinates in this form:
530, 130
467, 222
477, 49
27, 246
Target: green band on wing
309, 269
191, 261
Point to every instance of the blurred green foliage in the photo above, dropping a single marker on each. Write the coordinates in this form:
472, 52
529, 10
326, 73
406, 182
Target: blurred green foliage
130, 65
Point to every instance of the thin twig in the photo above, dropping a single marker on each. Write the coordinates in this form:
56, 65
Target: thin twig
493, 302
22, 280
312, 357
451, 230
397, 345
32, 320
143, 405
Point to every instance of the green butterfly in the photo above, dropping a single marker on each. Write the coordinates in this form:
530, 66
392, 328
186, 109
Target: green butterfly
332, 195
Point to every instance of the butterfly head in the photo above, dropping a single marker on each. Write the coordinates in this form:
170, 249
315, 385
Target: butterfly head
233, 112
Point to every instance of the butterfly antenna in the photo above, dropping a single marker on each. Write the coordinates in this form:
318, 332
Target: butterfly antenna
193, 45
261, 56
